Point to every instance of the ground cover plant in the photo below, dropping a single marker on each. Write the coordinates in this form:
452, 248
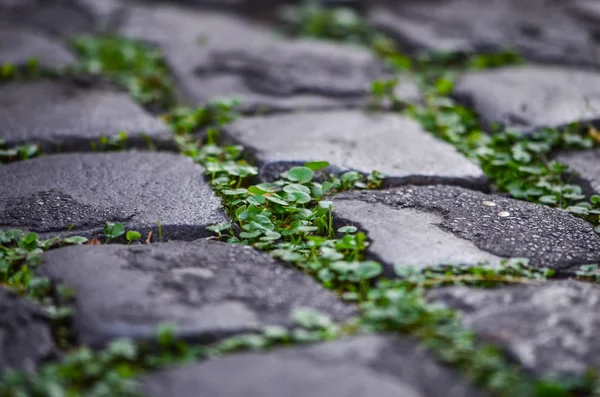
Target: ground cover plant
292, 219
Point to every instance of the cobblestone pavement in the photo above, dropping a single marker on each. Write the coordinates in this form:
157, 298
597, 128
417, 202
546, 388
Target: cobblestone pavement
415, 214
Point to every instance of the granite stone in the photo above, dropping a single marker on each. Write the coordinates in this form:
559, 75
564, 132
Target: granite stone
81, 192
354, 140
206, 289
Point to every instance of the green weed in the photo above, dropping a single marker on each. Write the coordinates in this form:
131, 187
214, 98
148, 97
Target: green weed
133, 65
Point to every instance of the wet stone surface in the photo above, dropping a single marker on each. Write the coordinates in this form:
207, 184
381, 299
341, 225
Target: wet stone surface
18, 45
546, 30
348, 139
25, 336
434, 225
49, 194
216, 55
550, 329
527, 98
208, 289
66, 115
585, 168
360, 366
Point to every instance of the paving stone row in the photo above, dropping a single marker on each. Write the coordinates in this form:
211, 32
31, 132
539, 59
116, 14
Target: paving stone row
354, 140
25, 334
209, 290
435, 225
19, 44
212, 290
531, 97
68, 115
550, 329
361, 366
216, 55
49, 194
544, 30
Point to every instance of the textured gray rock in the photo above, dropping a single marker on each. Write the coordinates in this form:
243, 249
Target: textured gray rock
299, 74
215, 55
187, 36
207, 289
394, 145
585, 165
550, 329
49, 194
19, 45
529, 97
433, 225
361, 366
64, 115
561, 31
25, 337
57, 17
102, 11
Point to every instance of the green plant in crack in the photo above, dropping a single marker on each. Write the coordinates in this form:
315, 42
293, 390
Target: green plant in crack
20, 254
27, 71
516, 270
17, 153
516, 163
338, 23
112, 372
132, 64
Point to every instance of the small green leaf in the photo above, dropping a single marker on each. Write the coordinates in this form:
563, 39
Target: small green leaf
300, 174
347, 229
114, 230
326, 204
276, 199
77, 240
132, 235
317, 165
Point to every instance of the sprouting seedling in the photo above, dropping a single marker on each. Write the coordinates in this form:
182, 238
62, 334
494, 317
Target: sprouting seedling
113, 230
160, 232
132, 236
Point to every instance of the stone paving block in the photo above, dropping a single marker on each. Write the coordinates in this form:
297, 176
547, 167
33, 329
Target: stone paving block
352, 139
103, 11
546, 30
360, 366
49, 194
526, 98
585, 167
214, 55
550, 329
64, 116
433, 225
19, 44
207, 289
63, 18
25, 336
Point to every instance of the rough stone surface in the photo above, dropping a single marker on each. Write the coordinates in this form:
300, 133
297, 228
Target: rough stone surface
19, 44
208, 289
547, 30
425, 226
49, 194
585, 166
361, 366
550, 329
529, 97
66, 116
348, 139
25, 337
215, 55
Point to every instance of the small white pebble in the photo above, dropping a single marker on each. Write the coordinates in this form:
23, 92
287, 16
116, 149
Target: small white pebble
503, 214
489, 203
